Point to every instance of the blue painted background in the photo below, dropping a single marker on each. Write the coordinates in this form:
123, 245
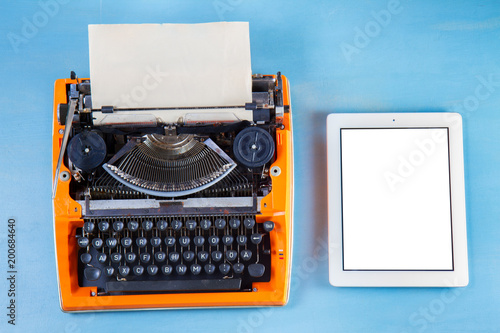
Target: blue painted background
340, 56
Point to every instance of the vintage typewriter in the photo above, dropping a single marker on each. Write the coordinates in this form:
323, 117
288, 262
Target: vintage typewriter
175, 212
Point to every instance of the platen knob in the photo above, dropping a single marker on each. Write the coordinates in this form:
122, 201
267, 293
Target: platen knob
253, 147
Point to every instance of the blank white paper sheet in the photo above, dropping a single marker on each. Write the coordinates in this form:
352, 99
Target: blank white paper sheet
170, 65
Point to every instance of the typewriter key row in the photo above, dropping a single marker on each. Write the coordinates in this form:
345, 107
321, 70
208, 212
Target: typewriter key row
176, 225
188, 256
169, 241
254, 270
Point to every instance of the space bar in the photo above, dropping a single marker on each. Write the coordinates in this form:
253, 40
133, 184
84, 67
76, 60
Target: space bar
173, 285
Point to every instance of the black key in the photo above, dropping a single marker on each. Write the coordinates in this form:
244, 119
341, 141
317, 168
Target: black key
155, 241
145, 257
181, 269
103, 226
88, 227
249, 223
217, 256
116, 257
190, 225
130, 257
111, 242
213, 240
209, 268
268, 226
133, 225
102, 257
108, 271
195, 269
241, 240
220, 224
256, 238
83, 241
147, 225
86, 258
238, 268
92, 273
256, 270
172, 285
227, 240
152, 269
199, 241
170, 241
224, 268
246, 255
118, 226
231, 255
203, 256
160, 256
141, 242
123, 270
126, 242
184, 241
138, 270
176, 225
234, 223
188, 255
173, 256
162, 225
166, 269
97, 243
205, 224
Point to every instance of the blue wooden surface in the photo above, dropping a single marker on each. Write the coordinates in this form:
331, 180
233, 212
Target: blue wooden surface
340, 56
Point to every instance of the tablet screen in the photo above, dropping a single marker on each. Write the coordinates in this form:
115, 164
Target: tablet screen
396, 207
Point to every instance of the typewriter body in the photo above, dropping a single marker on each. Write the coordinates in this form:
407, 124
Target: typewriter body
173, 208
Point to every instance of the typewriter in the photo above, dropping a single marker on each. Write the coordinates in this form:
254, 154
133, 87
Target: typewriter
182, 211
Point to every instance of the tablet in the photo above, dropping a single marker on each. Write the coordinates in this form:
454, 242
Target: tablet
396, 200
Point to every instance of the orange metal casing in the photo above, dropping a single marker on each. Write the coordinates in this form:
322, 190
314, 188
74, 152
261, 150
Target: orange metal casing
277, 207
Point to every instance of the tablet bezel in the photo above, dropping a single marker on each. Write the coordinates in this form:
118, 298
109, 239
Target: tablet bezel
458, 277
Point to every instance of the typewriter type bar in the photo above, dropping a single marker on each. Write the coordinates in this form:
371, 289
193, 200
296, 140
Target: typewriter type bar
173, 208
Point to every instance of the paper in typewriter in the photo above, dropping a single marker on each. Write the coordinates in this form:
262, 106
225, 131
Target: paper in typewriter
170, 65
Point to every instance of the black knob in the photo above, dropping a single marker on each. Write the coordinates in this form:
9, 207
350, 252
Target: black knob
62, 113
253, 147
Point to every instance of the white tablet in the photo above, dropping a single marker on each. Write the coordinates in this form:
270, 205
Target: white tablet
396, 200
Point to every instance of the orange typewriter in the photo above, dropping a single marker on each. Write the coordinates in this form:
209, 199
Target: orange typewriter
172, 214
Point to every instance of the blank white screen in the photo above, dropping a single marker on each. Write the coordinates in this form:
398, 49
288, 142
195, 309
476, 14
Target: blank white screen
396, 199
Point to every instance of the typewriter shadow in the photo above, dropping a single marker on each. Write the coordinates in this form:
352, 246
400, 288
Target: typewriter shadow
314, 265
320, 193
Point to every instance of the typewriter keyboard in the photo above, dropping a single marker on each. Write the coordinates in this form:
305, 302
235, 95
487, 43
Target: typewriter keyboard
173, 254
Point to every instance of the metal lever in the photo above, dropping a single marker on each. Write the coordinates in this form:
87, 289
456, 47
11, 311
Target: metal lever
280, 110
67, 131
